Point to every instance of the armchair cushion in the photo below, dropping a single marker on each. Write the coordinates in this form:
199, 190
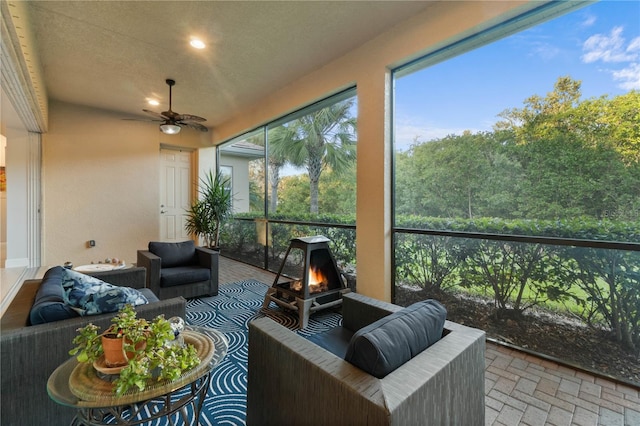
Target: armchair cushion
175, 254
386, 344
335, 340
181, 275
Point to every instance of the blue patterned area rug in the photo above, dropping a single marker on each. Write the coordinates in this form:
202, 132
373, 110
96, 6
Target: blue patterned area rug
230, 312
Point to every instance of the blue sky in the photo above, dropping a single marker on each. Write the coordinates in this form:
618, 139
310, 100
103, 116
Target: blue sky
598, 44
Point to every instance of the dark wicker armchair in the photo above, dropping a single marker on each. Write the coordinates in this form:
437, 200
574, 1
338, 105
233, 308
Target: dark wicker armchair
293, 381
180, 269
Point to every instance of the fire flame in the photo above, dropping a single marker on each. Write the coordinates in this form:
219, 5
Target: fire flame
317, 281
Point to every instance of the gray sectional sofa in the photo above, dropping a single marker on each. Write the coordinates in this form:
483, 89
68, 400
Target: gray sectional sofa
30, 353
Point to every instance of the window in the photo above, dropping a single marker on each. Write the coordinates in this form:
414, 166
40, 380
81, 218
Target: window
226, 173
311, 161
300, 181
517, 185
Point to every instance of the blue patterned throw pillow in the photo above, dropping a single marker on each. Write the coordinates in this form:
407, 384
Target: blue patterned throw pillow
88, 295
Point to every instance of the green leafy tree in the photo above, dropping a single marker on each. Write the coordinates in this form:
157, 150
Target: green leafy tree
580, 157
616, 120
470, 175
294, 193
338, 195
566, 176
556, 157
541, 116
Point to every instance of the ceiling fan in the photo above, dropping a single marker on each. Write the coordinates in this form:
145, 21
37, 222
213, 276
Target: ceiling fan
172, 121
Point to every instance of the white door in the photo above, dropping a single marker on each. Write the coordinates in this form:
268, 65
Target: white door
175, 194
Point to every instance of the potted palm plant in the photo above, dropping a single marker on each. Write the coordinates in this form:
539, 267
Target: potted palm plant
143, 350
214, 205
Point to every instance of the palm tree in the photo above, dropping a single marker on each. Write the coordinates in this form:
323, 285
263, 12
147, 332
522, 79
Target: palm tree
323, 139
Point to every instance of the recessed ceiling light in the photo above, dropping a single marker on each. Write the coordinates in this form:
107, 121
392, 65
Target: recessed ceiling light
197, 43
153, 102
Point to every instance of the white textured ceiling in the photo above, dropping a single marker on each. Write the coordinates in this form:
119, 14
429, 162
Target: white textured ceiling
113, 55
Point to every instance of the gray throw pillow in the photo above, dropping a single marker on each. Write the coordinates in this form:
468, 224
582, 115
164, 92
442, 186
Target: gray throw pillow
386, 344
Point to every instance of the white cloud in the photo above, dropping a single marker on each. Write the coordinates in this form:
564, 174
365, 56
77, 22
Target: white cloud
408, 133
608, 48
629, 77
589, 20
634, 46
546, 51
611, 49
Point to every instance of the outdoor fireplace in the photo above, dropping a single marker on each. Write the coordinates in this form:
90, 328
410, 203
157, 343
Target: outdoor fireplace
308, 279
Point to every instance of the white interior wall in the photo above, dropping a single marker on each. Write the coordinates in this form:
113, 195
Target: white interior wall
101, 182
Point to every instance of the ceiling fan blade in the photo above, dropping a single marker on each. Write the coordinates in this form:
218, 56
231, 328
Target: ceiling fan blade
143, 119
172, 117
189, 117
196, 126
155, 114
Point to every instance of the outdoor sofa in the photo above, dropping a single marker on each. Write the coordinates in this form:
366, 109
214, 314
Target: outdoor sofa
30, 353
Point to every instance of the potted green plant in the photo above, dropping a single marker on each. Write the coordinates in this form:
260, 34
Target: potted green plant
214, 205
145, 349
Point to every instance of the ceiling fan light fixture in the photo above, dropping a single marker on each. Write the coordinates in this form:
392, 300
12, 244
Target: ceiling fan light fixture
170, 129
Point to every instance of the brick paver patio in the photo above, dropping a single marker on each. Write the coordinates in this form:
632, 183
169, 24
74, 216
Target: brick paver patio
522, 389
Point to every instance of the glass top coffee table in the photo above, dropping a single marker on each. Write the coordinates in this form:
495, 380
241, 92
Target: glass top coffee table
100, 406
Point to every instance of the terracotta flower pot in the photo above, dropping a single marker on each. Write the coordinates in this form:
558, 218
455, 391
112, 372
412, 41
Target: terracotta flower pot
114, 354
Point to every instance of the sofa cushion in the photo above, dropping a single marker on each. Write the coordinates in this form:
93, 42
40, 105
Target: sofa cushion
386, 344
89, 295
175, 254
170, 277
335, 340
149, 295
49, 302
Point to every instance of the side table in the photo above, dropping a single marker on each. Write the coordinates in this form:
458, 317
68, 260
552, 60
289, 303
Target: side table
102, 407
